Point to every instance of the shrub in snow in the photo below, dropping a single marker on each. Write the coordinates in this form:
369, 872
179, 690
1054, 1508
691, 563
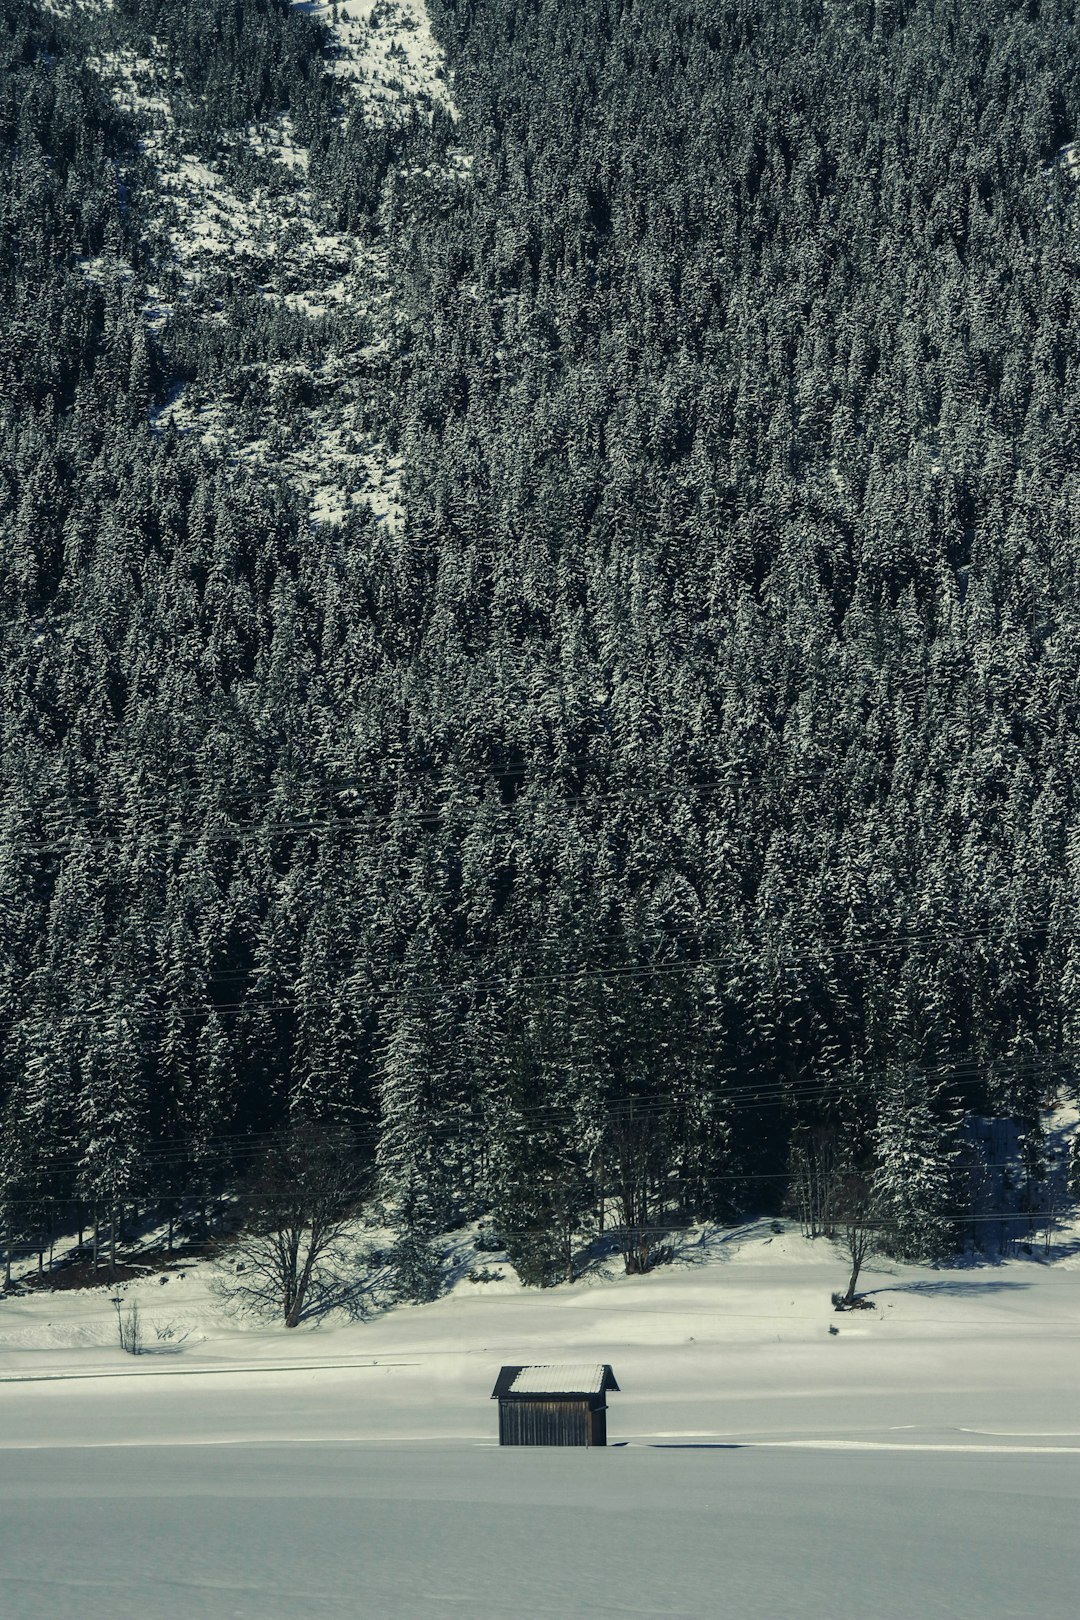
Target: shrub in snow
128, 1326
1074, 1168
538, 1257
484, 1274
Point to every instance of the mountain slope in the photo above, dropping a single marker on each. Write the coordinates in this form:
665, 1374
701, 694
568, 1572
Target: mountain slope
540, 608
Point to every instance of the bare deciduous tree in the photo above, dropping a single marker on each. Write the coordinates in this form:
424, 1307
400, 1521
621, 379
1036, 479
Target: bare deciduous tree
128, 1326
635, 1161
855, 1213
300, 1199
816, 1168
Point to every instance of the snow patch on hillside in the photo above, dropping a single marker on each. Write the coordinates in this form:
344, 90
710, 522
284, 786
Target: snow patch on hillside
273, 241
276, 139
138, 83
64, 8
387, 49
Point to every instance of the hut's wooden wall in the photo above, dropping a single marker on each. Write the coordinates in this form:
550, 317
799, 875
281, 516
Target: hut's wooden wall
544, 1423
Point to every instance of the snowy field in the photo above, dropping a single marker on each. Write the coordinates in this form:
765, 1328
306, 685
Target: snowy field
923, 1460
430, 1531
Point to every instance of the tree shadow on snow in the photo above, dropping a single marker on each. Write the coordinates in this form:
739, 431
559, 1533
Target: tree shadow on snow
698, 1246
952, 1285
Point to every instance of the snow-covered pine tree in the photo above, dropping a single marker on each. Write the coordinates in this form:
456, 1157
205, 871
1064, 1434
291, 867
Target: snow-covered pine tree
915, 1149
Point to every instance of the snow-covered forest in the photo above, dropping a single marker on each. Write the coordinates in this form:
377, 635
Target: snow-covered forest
540, 602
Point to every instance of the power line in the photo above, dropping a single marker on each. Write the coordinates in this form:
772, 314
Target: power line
132, 821
627, 1107
412, 977
732, 1178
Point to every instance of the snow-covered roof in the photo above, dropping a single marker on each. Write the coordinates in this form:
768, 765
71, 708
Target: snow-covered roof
574, 1378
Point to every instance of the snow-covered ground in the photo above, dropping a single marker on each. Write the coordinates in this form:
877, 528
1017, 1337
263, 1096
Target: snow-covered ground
922, 1460
336, 1532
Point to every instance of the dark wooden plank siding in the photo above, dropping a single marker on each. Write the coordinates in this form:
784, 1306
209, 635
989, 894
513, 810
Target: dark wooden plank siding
544, 1423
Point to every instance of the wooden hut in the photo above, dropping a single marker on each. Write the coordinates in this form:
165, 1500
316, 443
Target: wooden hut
553, 1406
